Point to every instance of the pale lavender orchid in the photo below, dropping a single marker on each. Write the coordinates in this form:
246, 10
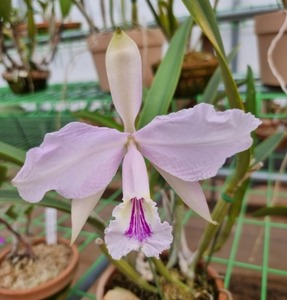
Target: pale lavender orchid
80, 160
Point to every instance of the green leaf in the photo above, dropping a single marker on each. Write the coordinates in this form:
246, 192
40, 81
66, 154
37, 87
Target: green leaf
12, 154
3, 174
265, 148
164, 84
98, 119
209, 94
32, 30
5, 10
11, 197
65, 6
204, 16
271, 211
250, 104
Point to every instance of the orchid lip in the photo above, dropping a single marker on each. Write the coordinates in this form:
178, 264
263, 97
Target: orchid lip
138, 228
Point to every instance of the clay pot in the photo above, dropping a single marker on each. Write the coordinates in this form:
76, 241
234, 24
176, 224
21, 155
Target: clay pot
107, 274
49, 288
196, 70
149, 41
43, 27
266, 28
19, 83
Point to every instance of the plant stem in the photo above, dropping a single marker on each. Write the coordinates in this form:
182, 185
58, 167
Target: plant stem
178, 213
125, 268
123, 12
217, 215
103, 13
4, 51
161, 268
134, 13
20, 239
158, 20
54, 41
156, 278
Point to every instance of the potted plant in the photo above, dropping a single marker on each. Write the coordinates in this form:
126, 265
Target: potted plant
270, 29
183, 147
32, 269
198, 66
25, 72
149, 41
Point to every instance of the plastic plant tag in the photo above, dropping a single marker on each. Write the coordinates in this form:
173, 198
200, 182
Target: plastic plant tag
51, 226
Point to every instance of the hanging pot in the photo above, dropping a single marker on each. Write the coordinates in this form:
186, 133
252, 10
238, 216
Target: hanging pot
20, 83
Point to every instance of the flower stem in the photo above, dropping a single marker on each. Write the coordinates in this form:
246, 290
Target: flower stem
218, 214
125, 268
161, 268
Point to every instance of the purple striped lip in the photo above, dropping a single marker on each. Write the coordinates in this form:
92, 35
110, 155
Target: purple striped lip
139, 228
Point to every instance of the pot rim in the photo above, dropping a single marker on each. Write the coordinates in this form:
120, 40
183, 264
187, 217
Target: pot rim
223, 294
35, 74
71, 266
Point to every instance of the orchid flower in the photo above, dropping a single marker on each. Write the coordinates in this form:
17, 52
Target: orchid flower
80, 160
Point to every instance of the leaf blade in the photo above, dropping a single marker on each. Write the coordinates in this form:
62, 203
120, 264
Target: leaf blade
158, 98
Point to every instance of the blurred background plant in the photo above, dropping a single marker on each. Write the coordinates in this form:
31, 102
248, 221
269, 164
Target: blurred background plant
25, 69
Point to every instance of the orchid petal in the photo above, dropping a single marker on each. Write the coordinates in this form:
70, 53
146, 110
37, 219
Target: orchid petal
81, 210
135, 177
193, 144
124, 71
137, 224
77, 161
190, 192
119, 243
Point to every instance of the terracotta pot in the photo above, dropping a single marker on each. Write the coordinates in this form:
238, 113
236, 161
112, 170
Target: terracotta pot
19, 83
107, 274
266, 28
149, 41
197, 68
49, 288
43, 27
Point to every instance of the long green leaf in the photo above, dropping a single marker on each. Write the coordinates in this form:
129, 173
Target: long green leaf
164, 84
3, 174
11, 197
5, 9
271, 211
12, 154
209, 94
98, 119
32, 30
65, 6
203, 15
250, 102
265, 148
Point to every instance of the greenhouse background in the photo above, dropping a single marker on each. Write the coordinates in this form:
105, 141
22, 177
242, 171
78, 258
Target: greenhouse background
252, 261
